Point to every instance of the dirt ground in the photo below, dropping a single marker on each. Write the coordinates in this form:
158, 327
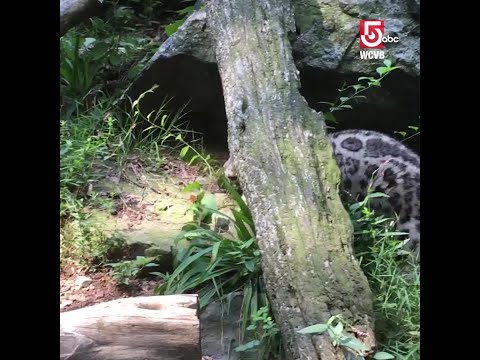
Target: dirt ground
102, 288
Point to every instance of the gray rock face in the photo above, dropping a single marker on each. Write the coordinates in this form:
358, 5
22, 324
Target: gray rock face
326, 49
191, 39
185, 69
328, 34
220, 329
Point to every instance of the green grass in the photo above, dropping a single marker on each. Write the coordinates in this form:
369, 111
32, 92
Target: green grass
102, 141
217, 265
394, 279
99, 59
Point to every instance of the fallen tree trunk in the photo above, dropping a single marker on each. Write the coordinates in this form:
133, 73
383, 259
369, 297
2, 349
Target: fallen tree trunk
284, 162
143, 328
285, 165
74, 12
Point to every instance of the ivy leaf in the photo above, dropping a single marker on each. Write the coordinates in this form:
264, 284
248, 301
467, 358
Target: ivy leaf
314, 329
383, 356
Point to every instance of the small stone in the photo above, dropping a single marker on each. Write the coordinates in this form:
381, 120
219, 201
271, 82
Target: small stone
79, 298
221, 224
65, 303
114, 179
155, 251
82, 282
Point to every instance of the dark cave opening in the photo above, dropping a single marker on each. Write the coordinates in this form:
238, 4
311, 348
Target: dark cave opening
190, 87
196, 87
388, 109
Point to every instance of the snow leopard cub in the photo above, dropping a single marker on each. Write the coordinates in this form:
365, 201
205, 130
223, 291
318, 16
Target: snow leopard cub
371, 159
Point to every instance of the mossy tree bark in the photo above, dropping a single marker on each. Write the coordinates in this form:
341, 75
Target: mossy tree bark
287, 171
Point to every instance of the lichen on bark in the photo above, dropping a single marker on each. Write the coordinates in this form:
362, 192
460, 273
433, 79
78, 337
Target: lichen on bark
288, 174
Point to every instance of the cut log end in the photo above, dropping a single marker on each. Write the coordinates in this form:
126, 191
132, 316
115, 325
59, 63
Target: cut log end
147, 328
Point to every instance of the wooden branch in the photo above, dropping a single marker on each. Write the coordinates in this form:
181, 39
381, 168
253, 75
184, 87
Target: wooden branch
141, 328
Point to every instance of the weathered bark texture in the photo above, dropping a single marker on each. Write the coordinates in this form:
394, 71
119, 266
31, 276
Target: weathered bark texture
143, 328
74, 12
288, 174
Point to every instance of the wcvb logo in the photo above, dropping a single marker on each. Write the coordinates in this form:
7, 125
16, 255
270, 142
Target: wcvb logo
371, 33
372, 38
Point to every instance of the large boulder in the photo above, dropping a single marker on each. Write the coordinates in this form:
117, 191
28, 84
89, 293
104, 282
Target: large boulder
326, 51
328, 34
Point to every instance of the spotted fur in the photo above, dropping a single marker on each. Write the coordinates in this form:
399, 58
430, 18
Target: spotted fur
369, 159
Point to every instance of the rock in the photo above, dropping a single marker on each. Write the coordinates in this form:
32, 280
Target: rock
65, 303
82, 282
221, 224
220, 330
326, 50
155, 251
328, 34
114, 179
164, 212
185, 65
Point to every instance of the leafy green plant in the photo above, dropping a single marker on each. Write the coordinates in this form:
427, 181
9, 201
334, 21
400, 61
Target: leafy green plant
133, 13
204, 203
100, 53
122, 17
265, 331
364, 83
85, 244
216, 266
335, 328
193, 156
149, 7
171, 28
163, 130
410, 133
80, 61
148, 133
212, 263
125, 271
368, 225
394, 279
